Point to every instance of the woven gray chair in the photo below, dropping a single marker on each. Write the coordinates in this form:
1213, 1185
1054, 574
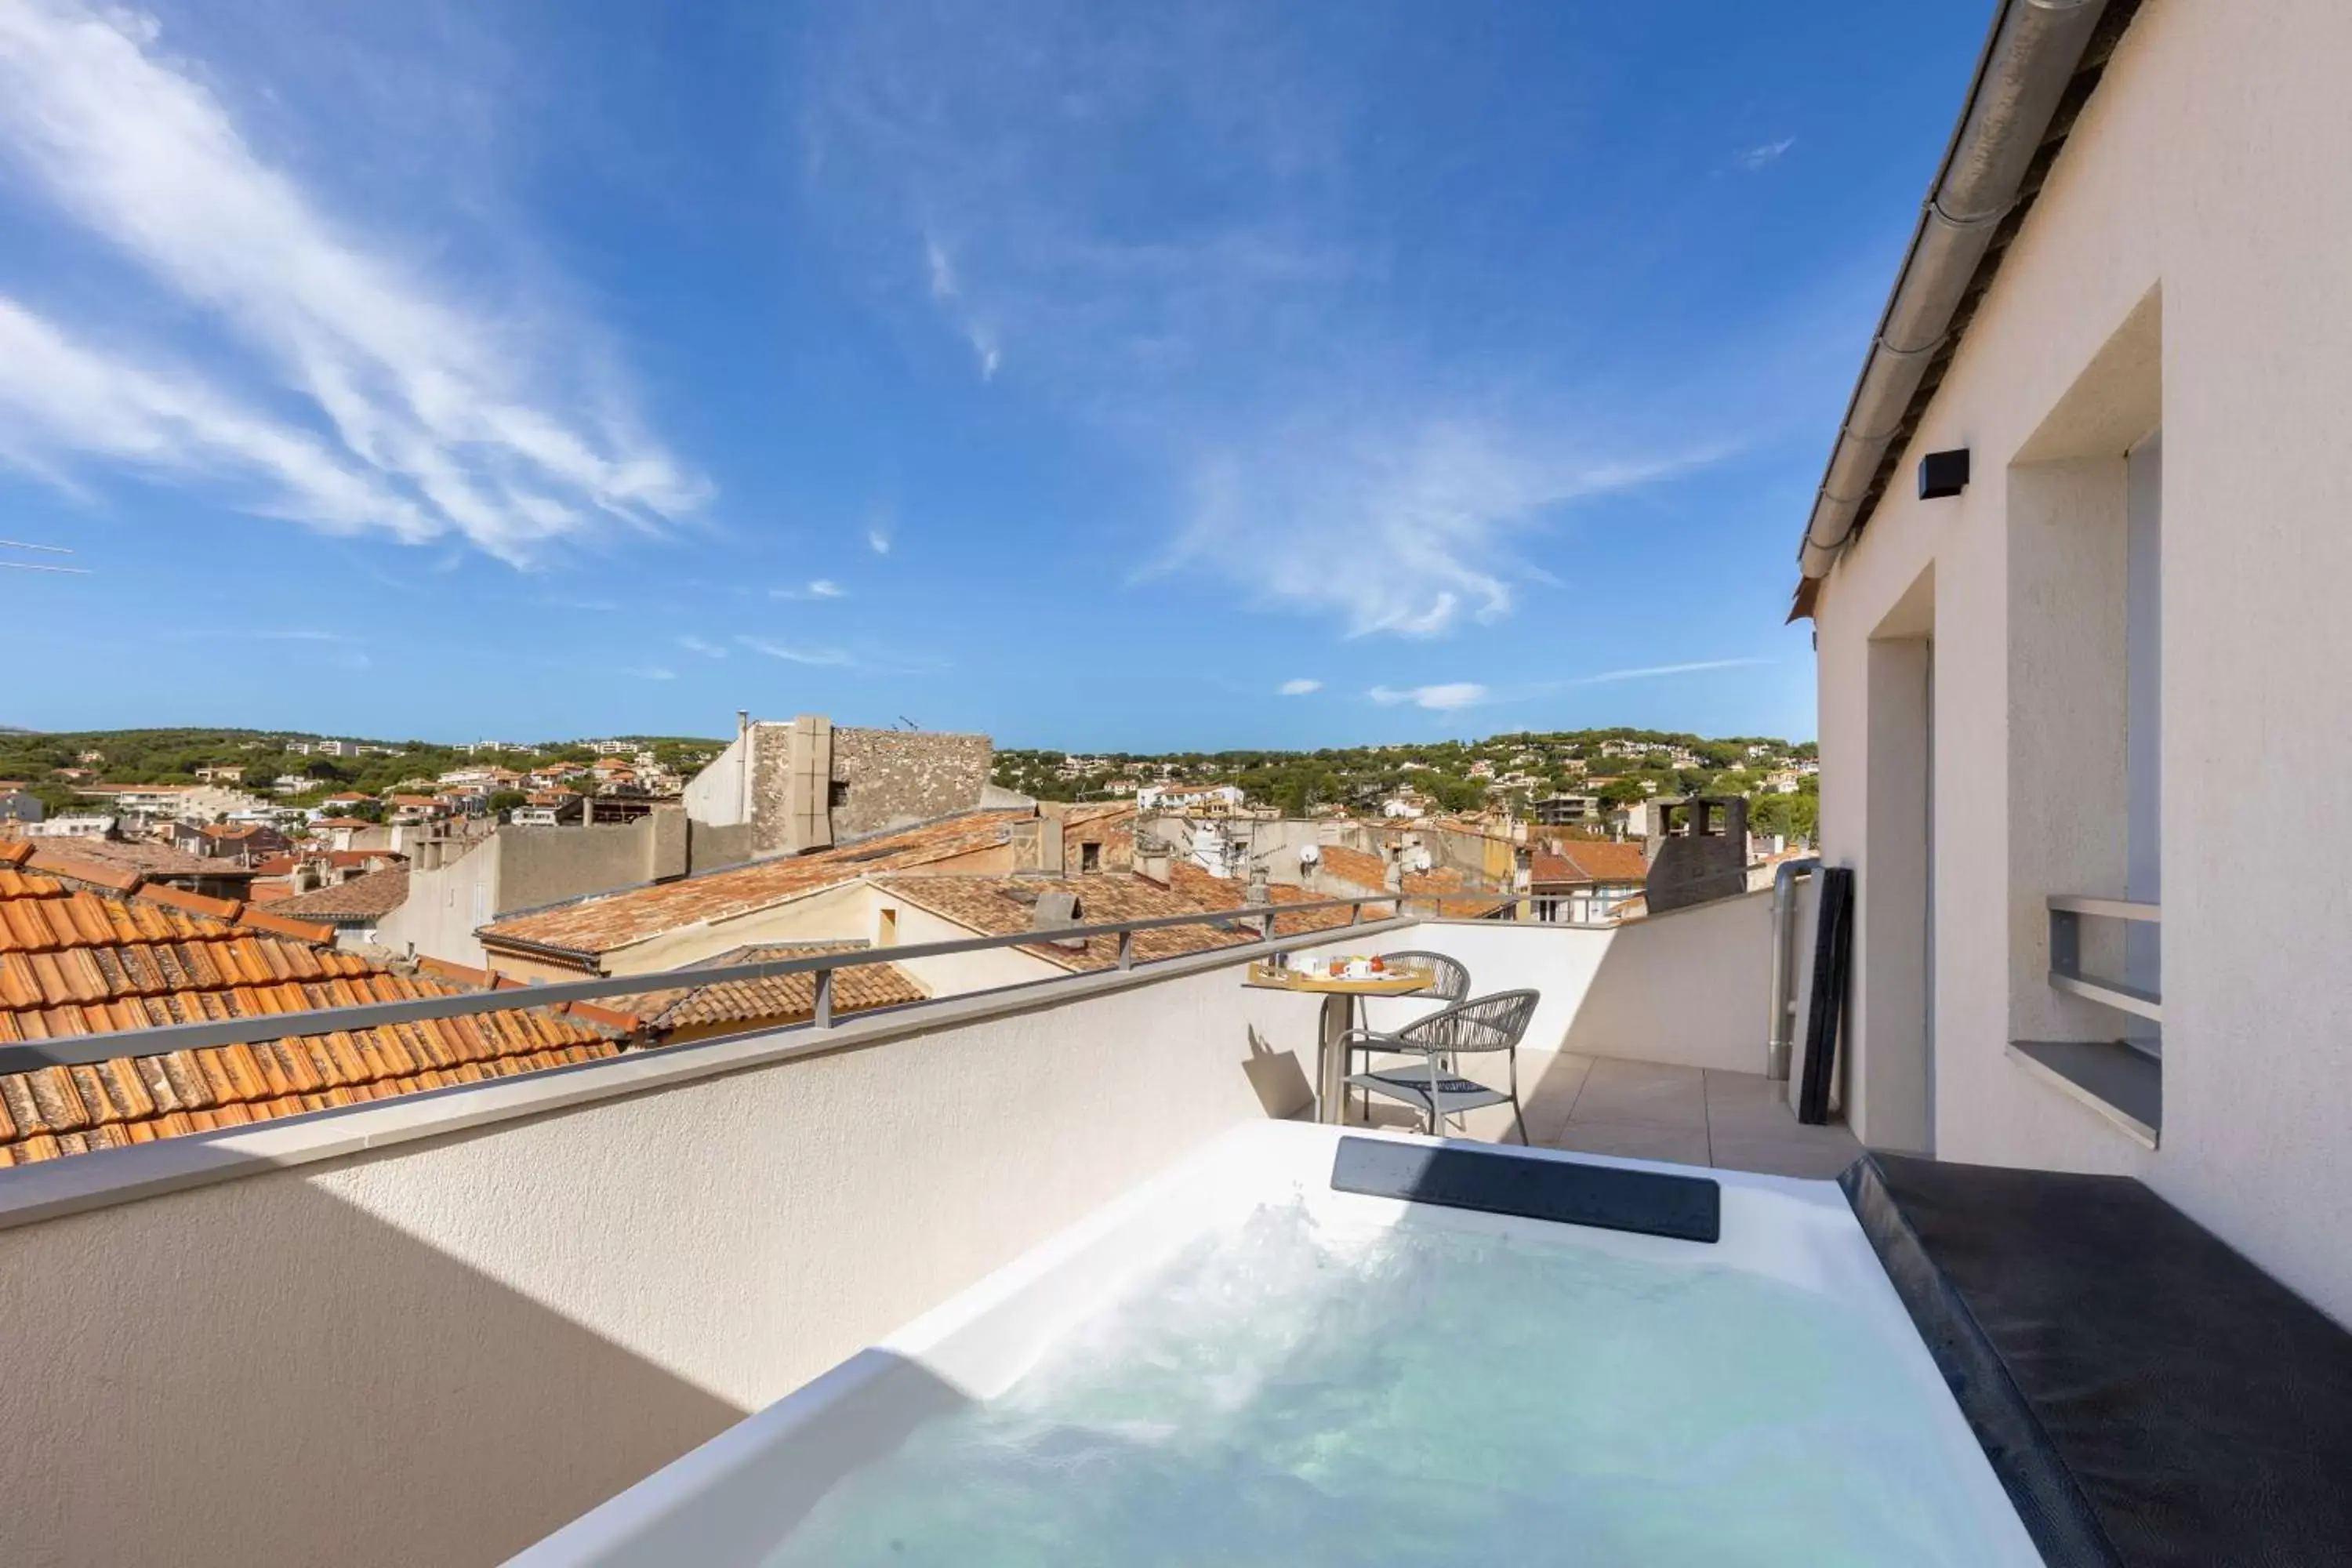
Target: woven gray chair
1449, 982
1484, 1023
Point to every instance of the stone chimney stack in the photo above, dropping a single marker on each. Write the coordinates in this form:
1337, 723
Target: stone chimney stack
1697, 850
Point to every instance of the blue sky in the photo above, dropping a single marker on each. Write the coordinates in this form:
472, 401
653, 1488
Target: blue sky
1097, 376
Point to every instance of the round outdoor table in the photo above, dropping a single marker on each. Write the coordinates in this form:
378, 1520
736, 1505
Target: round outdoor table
1339, 995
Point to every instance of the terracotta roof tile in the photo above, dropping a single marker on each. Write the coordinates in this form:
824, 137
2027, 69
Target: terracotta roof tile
1001, 905
77, 962
1477, 903
194, 903
1573, 861
302, 931
376, 893
779, 999
146, 857
66, 864
1356, 867
608, 920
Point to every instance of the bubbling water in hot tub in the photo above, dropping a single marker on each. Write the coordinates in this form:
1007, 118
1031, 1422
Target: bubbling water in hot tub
1285, 1392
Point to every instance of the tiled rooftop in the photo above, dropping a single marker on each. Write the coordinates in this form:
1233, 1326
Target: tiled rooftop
1002, 905
1572, 861
375, 893
147, 856
1356, 867
91, 954
774, 1001
1362, 869
607, 921
1476, 903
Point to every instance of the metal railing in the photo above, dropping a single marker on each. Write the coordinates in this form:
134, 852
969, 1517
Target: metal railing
162, 1040
2067, 912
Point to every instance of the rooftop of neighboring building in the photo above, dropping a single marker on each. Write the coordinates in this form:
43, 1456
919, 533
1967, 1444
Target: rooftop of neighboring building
90, 949
1356, 867
1362, 869
148, 856
1004, 904
728, 1005
1555, 861
368, 897
601, 922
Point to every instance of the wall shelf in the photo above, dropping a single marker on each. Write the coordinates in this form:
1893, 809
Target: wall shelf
2124, 1084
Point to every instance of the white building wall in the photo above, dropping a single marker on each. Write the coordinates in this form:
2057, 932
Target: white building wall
445, 907
458, 1343
717, 793
2205, 182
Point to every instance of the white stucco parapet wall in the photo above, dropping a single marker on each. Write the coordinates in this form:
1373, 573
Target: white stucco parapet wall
52, 1188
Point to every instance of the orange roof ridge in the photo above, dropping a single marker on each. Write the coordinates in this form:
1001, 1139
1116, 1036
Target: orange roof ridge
114, 879
194, 903
628, 1023
303, 930
457, 974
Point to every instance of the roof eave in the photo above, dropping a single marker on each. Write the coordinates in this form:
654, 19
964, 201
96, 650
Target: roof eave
2041, 62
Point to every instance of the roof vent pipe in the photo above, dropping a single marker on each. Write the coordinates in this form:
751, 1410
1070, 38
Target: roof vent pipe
2029, 57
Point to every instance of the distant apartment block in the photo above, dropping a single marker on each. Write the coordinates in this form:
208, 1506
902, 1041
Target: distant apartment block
1208, 798
1567, 811
76, 825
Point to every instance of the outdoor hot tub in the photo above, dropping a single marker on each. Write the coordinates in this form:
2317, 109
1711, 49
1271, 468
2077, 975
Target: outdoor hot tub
1240, 1362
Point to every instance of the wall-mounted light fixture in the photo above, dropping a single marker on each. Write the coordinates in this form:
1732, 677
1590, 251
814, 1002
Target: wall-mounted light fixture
1943, 474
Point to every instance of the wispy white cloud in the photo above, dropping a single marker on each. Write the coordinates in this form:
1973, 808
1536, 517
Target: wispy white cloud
948, 293
444, 415
1442, 698
1657, 671
64, 396
1405, 531
651, 672
1300, 688
698, 644
818, 588
1757, 157
816, 656
1326, 459
260, 634
877, 542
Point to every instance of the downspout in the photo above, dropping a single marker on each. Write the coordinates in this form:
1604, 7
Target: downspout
1781, 1031
2031, 55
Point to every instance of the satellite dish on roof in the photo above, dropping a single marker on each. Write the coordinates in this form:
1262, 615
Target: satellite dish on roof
1310, 854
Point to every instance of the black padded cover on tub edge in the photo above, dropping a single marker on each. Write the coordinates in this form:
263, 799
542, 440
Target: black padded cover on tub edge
1496, 1181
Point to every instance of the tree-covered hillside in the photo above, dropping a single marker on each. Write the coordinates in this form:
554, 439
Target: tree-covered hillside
172, 756
1518, 769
